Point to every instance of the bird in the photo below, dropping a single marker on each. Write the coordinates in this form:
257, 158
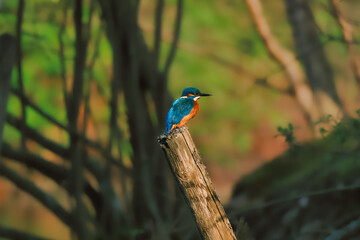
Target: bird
184, 108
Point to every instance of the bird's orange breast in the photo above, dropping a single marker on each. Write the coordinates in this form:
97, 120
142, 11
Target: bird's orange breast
192, 114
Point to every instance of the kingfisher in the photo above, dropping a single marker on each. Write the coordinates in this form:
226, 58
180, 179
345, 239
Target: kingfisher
184, 108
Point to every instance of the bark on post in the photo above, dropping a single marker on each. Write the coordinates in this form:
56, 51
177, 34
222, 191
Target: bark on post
194, 182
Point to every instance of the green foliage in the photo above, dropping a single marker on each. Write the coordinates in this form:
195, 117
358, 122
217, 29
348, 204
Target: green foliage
323, 173
288, 133
330, 160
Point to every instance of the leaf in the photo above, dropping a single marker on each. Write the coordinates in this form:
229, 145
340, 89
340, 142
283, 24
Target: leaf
358, 112
323, 131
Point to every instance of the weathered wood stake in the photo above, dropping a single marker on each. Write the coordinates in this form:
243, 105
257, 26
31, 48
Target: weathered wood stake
195, 183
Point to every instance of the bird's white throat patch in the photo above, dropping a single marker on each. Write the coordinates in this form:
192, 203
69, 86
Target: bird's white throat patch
194, 99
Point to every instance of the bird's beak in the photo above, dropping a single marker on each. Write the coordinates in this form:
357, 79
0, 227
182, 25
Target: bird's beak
204, 95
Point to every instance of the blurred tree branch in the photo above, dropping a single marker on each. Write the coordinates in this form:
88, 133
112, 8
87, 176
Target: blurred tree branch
319, 193
14, 234
158, 30
302, 93
62, 55
349, 231
347, 31
169, 38
136, 77
91, 164
7, 59
90, 143
29, 187
163, 77
311, 53
264, 83
76, 178
35, 107
139, 81
57, 173
177, 26
20, 16
37, 137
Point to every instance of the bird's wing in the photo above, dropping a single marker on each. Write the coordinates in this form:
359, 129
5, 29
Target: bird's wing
180, 108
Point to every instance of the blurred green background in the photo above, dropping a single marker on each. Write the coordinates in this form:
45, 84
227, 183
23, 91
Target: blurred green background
219, 51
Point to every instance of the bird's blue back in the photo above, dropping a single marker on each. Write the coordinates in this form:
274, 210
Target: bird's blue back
180, 108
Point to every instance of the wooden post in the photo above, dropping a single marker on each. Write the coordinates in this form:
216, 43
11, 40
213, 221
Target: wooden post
194, 182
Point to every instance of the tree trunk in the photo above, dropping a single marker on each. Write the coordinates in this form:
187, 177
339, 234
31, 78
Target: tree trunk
136, 75
347, 30
312, 55
7, 59
287, 60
